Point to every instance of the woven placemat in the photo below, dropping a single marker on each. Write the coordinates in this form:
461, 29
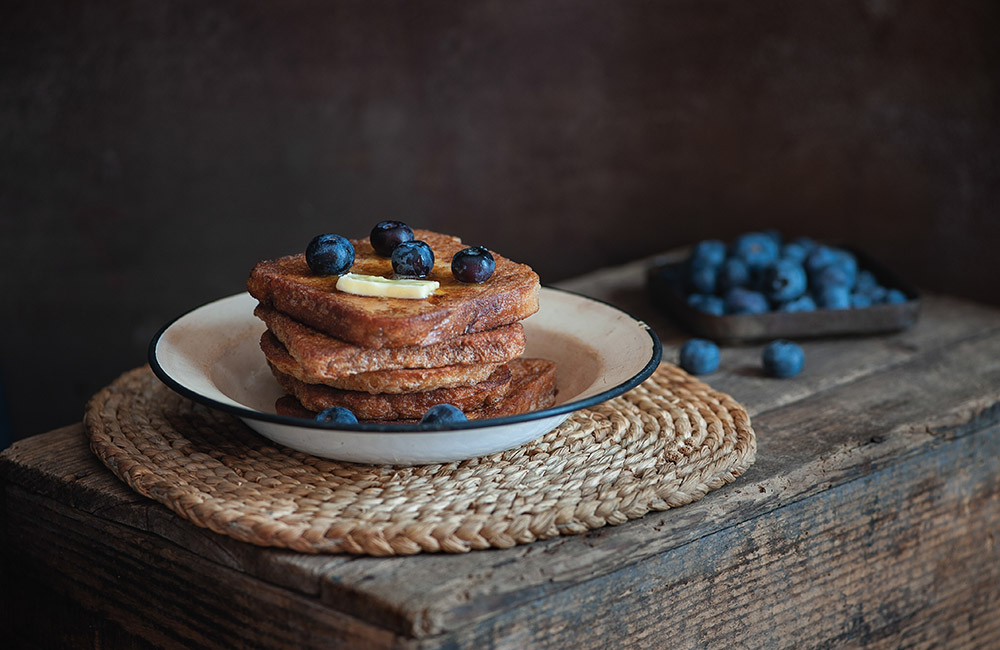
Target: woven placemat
663, 444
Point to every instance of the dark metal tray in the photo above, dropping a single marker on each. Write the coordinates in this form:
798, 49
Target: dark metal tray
746, 328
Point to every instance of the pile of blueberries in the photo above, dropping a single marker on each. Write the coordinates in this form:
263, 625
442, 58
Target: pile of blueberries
761, 272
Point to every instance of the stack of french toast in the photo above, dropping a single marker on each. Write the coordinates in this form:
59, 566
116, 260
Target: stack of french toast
390, 359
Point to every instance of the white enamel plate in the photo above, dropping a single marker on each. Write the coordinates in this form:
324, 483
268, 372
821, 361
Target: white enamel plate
212, 355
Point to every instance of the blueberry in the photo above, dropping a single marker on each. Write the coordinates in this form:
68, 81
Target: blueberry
774, 234
336, 415
844, 269
808, 243
329, 255
865, 281
708, 252
876, 294
835, 297
794, 252
819, 258
732, 274
895, 297
783, 280
802, 303
387, 235
756, 249
443, 415
702, 279
473, 265
699, 356
744, 301
707, 303
831, 275
860, 300
783, 359
847, 261
412, 259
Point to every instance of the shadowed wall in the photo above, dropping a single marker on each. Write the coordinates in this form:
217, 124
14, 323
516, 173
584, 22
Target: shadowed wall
151, 152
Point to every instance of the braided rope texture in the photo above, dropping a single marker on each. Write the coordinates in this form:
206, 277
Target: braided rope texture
663, 444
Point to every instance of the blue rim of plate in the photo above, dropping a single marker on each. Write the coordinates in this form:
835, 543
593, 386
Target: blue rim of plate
568, 407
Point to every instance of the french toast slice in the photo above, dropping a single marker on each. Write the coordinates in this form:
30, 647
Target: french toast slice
287, 285
402, 380
385, 406
532, 387
326, 358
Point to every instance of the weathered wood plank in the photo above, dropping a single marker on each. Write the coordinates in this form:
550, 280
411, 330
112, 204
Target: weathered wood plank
903, 557
60, 465
67, 623
161, 592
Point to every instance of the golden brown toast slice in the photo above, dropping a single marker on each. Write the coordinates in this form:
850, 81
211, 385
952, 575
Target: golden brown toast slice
287, 285
402, 380
369, 406
532, 387
326, 358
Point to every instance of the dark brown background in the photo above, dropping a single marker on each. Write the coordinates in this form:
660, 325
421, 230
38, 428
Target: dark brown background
151, 152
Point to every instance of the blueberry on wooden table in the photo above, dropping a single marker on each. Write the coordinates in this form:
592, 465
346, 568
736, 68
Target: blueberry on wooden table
699, 356
783, 359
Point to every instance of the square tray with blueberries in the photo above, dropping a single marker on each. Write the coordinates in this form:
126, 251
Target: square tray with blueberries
763, 287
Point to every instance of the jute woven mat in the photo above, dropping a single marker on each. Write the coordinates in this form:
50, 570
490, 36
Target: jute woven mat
663, 444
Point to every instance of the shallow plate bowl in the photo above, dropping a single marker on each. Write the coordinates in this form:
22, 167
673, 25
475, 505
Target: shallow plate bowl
212, 355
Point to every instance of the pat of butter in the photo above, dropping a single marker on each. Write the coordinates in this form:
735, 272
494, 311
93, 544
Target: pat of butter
379, 287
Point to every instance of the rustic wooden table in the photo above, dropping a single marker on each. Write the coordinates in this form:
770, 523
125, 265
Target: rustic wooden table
870, 519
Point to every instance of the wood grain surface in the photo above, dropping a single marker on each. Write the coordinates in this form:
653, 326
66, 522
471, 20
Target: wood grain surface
869, 519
